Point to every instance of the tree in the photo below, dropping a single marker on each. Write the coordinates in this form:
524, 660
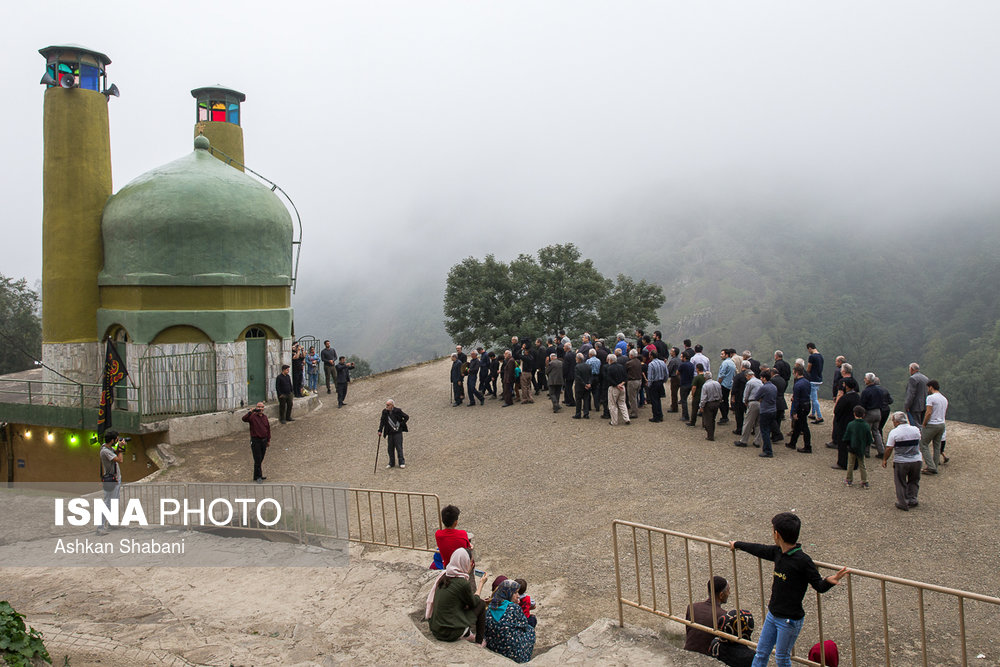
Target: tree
362, 368
488, 301
20, 326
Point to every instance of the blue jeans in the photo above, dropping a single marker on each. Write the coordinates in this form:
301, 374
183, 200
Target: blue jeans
780, 634
814, 397
313, 380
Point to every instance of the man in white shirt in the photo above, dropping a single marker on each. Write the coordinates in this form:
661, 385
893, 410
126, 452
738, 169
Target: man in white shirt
903, 445
700, 358
933, 427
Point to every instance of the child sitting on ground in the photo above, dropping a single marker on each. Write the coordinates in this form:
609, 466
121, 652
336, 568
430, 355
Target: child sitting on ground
858, 436
526, 604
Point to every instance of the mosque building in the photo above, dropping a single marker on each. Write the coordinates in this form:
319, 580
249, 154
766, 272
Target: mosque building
188, 269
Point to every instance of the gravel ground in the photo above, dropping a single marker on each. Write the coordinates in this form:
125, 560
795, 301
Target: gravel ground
540, 490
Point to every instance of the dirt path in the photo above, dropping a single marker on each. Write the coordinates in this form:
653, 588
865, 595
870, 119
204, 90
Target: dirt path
539, 490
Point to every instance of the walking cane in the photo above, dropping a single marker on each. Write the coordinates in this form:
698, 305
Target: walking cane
377, 441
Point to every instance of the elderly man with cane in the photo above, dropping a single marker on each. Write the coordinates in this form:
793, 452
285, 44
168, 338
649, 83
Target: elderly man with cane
392, 425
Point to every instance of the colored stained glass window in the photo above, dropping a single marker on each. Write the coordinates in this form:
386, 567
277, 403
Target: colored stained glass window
234, 114
89, 77
219, 112
202, 113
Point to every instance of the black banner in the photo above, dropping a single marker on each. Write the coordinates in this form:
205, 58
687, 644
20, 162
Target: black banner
114, 372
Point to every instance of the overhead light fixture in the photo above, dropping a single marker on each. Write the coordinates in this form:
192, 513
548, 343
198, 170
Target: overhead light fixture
50, 436
112, 90
27, 434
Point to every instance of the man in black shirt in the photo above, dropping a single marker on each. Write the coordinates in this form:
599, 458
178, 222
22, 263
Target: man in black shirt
343, 379
781, 366
793, 571
474, 366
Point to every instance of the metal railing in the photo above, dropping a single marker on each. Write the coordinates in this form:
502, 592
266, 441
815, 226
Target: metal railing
59, 393
387, 518
313, 512
897, 607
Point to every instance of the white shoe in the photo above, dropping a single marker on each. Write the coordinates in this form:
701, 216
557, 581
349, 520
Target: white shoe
402, 465
388, 467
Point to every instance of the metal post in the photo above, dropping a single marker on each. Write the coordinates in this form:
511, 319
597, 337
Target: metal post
618, 576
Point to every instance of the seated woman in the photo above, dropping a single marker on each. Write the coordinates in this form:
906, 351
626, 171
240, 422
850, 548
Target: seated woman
452, 607
507, 630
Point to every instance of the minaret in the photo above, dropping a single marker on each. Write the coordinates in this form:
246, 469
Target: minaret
218, 118
76, 185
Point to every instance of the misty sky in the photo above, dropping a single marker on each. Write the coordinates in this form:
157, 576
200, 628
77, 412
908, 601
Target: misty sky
427, 131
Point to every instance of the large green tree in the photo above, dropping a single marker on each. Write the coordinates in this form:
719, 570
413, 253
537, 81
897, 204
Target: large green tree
20, 327
487, 300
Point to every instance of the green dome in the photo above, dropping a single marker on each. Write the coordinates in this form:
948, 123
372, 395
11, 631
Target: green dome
196, 221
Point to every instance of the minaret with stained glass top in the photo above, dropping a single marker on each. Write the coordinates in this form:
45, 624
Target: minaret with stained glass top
218, 118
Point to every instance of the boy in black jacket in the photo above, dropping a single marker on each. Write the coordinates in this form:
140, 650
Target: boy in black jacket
793, 570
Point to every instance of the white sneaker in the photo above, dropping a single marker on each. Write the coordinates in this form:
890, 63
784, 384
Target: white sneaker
402, 465
388, 467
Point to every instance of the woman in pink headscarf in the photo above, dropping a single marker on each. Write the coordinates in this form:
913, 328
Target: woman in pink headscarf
452, 607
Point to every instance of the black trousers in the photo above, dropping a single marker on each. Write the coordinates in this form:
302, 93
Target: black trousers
655, 399
724, 406
284, 407
739, 411
341, 392
258, 447
297, 384
395, 443
684, 393
473, 392
555, 392
800, 425
459, 394
583, 397
568, 391
708, 417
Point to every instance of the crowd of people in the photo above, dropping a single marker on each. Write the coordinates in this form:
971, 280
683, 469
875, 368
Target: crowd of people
617, 380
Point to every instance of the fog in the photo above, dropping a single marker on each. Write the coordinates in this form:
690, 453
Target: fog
413, 134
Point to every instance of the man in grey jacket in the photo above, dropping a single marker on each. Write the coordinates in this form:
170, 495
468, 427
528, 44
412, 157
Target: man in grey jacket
916, 396
554, 376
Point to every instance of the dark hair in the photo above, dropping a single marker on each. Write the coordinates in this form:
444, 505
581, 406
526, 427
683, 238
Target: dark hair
285, 366
687, 342
675, 350
342, 357
449, 516
685, 355
647, 340
523, 586
788, 526
110, 436
326, 341
720, 585
810, 346
859, 411
850, 383
698, 348
934, 385
765, 374
699, 367
658, 334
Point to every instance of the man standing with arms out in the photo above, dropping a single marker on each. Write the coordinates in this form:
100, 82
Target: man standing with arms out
343, 379
916, 396
814, 373
711, 399
933, 427
685, 376
656, 375
283, 387
507, 376
801, 401
111, 454
455, 377
328, 356
727, 373
903, 446
793, 571
393, 425
554, 377
633, 370
871, 401
767, 397
260, 438
617, 376
673, 366
474, 366
781, 366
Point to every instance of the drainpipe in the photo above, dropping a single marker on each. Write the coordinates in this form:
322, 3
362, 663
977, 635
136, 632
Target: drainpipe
10, 453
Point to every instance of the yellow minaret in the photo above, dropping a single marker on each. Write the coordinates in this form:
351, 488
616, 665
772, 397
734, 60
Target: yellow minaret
217, 117
76, 185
